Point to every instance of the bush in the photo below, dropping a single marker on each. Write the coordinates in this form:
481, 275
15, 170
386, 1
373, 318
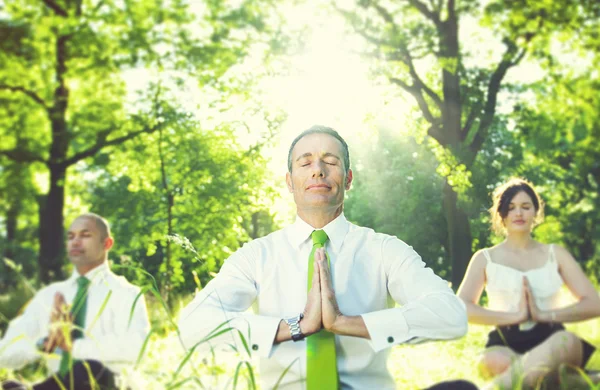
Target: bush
13, 301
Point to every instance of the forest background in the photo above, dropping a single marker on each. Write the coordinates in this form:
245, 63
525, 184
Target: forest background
172, 119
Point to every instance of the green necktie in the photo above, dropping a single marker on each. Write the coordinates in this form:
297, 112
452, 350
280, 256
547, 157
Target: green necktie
78, 311
321, 365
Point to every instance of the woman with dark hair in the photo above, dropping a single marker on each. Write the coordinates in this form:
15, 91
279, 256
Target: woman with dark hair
523, 280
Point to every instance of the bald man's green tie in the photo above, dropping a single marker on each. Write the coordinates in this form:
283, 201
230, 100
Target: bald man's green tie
78, 311
321, 366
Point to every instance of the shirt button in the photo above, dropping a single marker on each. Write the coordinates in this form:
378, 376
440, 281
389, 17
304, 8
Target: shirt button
390, 339
255, 347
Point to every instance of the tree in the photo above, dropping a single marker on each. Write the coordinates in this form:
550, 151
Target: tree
187, 188
557, 124
560, 133
66, 59
396, 184
458, 96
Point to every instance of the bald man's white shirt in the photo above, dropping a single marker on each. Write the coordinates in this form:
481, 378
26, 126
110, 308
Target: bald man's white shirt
109, 336
370, 272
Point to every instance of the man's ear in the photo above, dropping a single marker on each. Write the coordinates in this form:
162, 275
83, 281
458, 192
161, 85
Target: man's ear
108, 243
288, 181
349, 178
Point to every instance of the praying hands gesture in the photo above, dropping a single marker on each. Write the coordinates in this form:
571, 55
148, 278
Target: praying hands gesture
322, 312
533, 311
330, 312
529, 309
61, 322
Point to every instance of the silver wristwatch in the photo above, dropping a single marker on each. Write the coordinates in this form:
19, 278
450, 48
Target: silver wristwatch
294, 324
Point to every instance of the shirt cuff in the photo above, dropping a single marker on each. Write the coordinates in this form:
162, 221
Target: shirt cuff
386, 328
262, 331
85, 349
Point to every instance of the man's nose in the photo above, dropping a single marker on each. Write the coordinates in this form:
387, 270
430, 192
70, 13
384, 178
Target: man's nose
318, 170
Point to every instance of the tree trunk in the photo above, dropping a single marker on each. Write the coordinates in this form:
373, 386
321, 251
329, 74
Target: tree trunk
52, 238
459, 235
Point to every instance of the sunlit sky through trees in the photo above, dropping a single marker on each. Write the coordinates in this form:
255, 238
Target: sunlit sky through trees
327, 81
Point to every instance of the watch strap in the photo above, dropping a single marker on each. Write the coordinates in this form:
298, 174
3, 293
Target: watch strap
294, 324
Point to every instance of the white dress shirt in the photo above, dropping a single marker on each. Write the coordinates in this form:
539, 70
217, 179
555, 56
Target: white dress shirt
108, 336
370, 272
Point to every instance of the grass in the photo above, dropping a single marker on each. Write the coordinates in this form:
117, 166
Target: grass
413, 367
166, 365
420, 366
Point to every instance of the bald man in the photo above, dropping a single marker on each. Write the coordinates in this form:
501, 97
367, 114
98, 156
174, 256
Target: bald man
80, 327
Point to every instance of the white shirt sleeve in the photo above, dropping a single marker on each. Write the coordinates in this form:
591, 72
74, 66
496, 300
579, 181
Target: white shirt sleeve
430, 309
221, 305
18, 346
125, 341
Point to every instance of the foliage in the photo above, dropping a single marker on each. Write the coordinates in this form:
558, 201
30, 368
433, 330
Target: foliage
63, 68
560, 134
216, 184
417, 47
395, 184
457, 79
13, 302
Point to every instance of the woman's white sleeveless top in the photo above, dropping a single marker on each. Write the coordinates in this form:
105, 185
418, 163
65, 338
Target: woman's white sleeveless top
504, 286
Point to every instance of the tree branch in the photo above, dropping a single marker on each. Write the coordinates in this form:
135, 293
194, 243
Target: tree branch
22, 155
385, 14
101, 143
451, 10
510, 58
418, 86
406, 56
369, 38
407, 59
470, 120
31, 94
419, 83
434, 5
422, 8
416, 92
56, 8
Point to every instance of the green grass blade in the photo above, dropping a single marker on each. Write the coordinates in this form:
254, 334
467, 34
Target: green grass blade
142, 292
184, 381
104, 303
244, 343
251, 375
283, 374
143, 349
236, 375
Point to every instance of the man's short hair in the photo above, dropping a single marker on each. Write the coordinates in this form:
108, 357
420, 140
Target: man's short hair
101, 224
317, 129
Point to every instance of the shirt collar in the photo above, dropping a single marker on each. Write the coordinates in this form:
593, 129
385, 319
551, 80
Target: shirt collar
336, 230
95, 276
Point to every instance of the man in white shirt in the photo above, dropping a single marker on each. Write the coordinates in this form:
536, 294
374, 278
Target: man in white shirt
83, 327
357, 277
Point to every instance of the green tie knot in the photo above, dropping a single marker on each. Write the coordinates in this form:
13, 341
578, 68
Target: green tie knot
83, 282
319, 237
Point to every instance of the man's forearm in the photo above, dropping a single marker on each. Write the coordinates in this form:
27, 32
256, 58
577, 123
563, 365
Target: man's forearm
283, 333
351, 326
